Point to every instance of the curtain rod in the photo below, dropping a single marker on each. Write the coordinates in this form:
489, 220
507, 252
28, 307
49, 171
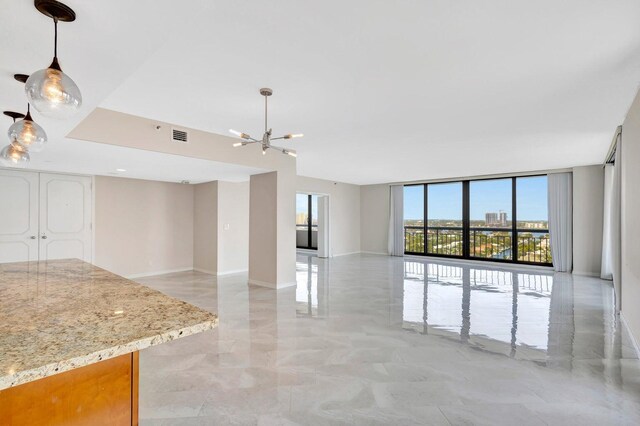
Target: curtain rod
611, 154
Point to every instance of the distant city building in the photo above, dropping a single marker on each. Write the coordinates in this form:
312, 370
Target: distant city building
490, 218
503, 218
495, 219
301, 218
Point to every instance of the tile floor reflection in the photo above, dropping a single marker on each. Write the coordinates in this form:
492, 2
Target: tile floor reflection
367, 339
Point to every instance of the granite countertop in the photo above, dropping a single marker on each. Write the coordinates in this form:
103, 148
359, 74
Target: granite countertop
64, 314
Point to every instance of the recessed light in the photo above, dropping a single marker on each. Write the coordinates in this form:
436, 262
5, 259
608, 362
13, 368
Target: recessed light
121, 170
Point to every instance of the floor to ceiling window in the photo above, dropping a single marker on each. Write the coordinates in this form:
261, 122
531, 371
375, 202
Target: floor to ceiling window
444, 219
502, 219
490, 219
414, 219
307, 221
532, 226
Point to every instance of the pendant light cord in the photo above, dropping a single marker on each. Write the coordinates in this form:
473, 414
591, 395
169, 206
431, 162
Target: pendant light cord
265, 113
55, 37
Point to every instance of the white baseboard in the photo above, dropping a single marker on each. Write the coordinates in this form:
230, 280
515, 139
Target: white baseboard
237, 271
272, 285
154, 273
346, 254
204, 271
374, 252
634, 342
587, 274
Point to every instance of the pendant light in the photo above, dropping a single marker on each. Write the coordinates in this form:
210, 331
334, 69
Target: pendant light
50, 91
28, 133
14, 154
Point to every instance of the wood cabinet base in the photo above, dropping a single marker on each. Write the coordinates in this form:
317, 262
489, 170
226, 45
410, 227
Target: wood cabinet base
104, 393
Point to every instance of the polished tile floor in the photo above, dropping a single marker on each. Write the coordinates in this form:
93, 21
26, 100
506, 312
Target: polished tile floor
367, 339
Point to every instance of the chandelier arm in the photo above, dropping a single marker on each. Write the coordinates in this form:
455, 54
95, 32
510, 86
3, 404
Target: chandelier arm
276, 139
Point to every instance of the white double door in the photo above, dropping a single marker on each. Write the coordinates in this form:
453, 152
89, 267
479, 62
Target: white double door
44, 216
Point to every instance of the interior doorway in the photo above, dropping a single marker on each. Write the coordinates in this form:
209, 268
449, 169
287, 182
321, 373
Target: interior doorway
307, 221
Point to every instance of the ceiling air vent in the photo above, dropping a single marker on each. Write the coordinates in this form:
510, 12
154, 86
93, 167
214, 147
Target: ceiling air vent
179, 136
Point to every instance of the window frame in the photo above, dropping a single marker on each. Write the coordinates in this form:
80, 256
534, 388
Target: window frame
309, 224
513, 230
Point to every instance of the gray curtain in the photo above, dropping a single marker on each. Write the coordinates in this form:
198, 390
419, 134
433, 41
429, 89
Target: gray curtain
606, 266
560, 206
616, 201
611, 229
396, 221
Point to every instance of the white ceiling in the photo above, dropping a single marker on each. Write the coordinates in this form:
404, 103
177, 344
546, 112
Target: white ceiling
384, 91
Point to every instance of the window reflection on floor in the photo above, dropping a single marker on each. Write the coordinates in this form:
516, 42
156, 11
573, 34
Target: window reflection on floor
307, 288
481, 305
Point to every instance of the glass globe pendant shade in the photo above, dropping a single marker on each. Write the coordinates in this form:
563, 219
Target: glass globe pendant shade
28, 134
14, 155
53, 93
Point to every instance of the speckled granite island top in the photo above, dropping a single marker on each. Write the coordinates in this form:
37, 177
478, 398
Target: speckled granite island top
64, 314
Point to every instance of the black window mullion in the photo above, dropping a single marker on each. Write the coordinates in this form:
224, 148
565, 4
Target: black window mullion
424, 217
310, 222
514, 218
465, 220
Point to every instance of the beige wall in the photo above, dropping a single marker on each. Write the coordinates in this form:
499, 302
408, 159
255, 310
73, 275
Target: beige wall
205, 227
115, 128
344, 212
233, 227
588, 207
631, 218
262, 227
143, 227
286, 244
374, 225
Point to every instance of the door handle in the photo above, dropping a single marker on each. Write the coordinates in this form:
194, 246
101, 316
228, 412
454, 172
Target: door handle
44, 237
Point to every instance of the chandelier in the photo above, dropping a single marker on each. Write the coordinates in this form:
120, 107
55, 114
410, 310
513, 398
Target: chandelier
266, 138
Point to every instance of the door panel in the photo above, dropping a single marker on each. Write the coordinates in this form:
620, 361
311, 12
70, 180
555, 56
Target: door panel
18, 216
65, 217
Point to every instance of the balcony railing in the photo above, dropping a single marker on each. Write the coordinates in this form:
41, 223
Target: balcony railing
414, 239
484, 243
444, 240
440, 240
534, 247
490, 243
302, 236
